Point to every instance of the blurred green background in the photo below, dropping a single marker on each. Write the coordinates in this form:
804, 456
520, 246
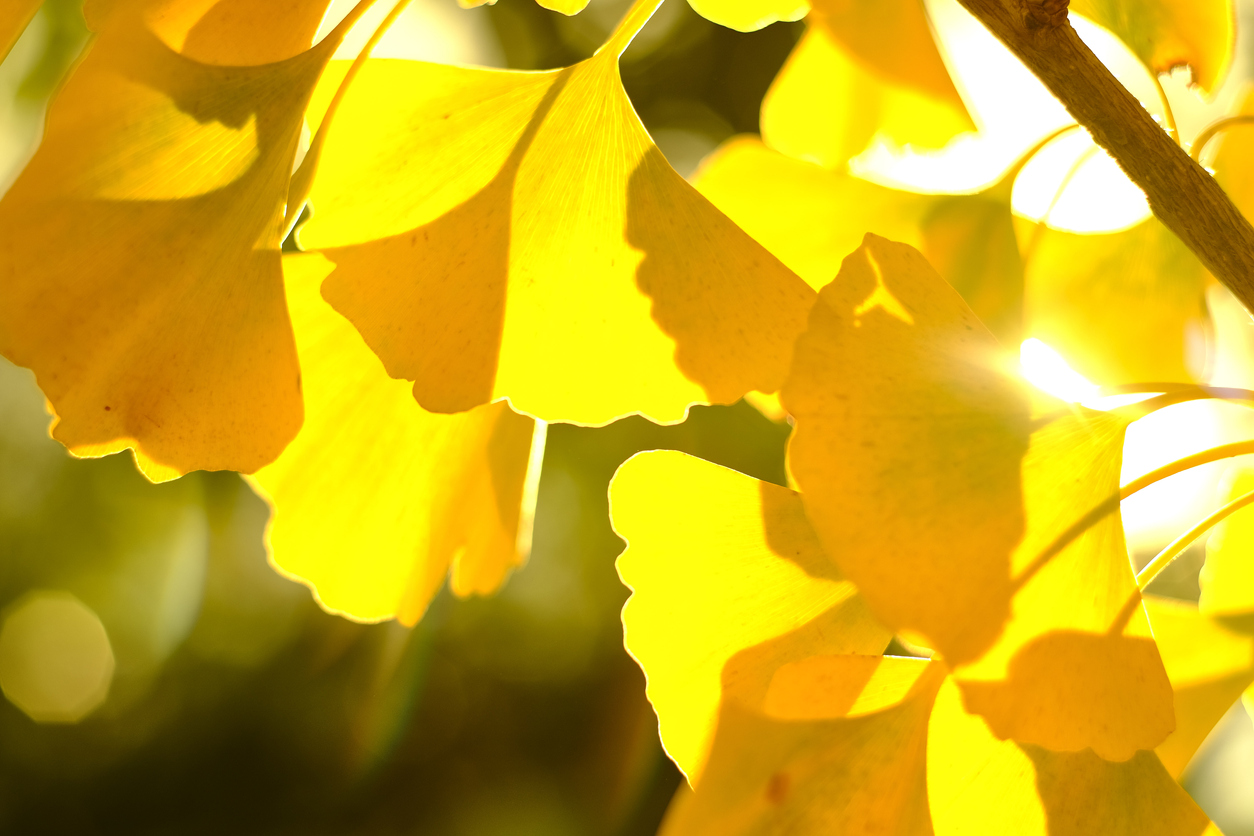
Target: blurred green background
236, 705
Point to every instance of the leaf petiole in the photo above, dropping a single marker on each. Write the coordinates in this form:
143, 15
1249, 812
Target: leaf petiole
1173, 549
1111, 503
1208, 133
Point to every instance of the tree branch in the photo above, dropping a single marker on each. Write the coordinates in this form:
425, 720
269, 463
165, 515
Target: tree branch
1181, 193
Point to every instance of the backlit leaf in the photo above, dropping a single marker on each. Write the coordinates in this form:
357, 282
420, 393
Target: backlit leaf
1209, 666
807, 768
728, 583
944, 498
375, 500
1116, 305
1166, 34
141, 244
980, 785
862, 68
1227, 578
14, 16
812, 218
509, 234
749, 15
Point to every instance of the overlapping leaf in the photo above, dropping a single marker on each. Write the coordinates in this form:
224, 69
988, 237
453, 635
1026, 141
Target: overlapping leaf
13, 19
1209, 666
140, 246
805, 765
862, 68
1117, 305
721, 563
811, 218
950, 503
1166, 34
376, 500
1227, 578
810, 736
507, 234
978, 784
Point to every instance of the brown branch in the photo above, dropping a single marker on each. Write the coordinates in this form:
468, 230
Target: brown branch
1181, 193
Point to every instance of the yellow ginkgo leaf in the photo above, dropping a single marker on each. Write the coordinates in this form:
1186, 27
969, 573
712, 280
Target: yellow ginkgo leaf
375, 500
1139, 291
806, 767
1227, 577
809, 217
813, 217
1209, 666
140, 246
1166, 34
981, 786
14, 16
517, 234
750, 15
862, 68
566, 7
220, 32
1234, 162
952, 506
723, 568
908, 447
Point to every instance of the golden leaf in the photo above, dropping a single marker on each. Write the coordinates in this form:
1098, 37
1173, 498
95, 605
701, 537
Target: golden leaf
862, 68
1166, 34
1209, 666
1227, 577
812, 218
979, 785
375, 500
806, 767
13, 19
509, 234
948, 503
1117, 305
141, 244
721, 566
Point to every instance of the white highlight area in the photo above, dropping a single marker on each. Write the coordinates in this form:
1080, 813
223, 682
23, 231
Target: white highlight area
1048, 371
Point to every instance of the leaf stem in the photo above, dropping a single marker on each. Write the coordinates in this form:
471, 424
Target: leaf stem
1111, 503
1208, 133
1168, 115
1164, 557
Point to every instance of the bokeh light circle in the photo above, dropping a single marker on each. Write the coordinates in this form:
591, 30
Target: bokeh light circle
56, 663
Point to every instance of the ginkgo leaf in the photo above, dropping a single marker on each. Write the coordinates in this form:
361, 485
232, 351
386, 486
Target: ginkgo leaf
509, 234
809, 217
722, 568
1234, 168
908, 444
862, 68
749, 15
1208, 665
1227, 577
948, 502
812, 218
232, 33
140, 246
375, 500
1166, 34
1117, 305
808, 768
14, 16
980, 785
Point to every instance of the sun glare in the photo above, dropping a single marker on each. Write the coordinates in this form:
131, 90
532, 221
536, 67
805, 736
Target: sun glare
1048, 371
